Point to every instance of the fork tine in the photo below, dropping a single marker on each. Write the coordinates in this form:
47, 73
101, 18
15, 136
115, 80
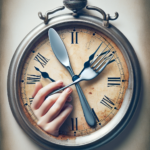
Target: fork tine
100, 59
98, 55
105, 63
110, 55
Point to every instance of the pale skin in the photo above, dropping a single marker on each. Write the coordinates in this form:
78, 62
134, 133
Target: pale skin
54, 110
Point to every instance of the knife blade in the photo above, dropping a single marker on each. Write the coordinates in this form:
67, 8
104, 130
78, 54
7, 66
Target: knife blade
61, 54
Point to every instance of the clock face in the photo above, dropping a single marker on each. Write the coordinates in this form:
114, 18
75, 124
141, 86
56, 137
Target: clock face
105, 94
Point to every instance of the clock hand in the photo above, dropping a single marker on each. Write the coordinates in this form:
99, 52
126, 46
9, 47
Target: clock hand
87, 63
44, 74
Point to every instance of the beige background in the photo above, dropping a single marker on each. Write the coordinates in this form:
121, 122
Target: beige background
18, 17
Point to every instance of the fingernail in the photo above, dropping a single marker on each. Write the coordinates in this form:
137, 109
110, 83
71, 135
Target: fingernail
69, 90
59, 82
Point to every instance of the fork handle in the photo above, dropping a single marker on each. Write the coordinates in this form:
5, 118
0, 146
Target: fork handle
88, 114
56, 91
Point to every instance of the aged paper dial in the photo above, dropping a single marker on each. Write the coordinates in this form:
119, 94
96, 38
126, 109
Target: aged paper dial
104, 94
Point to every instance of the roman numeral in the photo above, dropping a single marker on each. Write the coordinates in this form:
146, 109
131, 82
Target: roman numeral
72, 37
30, 100
32, 79
74, 122
114, 81
107, 102
108, 56
41, 59
95, 115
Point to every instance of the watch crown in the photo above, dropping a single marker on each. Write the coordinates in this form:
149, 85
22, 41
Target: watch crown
75, 5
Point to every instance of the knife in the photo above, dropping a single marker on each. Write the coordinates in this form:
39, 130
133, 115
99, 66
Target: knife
61, 54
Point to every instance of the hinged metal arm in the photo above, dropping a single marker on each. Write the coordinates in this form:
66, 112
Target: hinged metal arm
105, 18
45, 17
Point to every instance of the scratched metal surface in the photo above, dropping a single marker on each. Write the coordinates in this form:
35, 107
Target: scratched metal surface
18, 17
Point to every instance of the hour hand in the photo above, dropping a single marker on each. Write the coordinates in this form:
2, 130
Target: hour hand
87, 63
44, 74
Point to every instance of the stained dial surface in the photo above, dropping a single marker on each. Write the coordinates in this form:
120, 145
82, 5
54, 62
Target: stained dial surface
104, 94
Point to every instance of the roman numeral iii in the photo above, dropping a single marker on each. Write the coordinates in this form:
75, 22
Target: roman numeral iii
113, 81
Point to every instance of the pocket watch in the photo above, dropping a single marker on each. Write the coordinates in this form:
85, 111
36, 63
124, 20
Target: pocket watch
112, 96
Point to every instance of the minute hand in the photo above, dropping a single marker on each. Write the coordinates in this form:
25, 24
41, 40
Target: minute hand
62, 55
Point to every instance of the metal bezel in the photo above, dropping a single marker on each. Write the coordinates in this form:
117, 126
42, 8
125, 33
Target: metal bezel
23, 50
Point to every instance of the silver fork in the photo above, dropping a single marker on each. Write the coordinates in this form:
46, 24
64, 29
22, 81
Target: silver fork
89, 73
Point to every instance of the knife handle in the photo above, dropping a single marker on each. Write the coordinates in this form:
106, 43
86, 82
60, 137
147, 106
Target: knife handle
88, 114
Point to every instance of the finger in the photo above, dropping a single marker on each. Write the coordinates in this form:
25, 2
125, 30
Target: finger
53, 127
64, 107
69, 99
42, 93
57, 107
61, 87
47, 104
38, 86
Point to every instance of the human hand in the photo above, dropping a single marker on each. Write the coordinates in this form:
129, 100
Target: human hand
54, 110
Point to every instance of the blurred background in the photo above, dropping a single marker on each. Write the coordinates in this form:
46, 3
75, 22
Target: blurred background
19, 17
